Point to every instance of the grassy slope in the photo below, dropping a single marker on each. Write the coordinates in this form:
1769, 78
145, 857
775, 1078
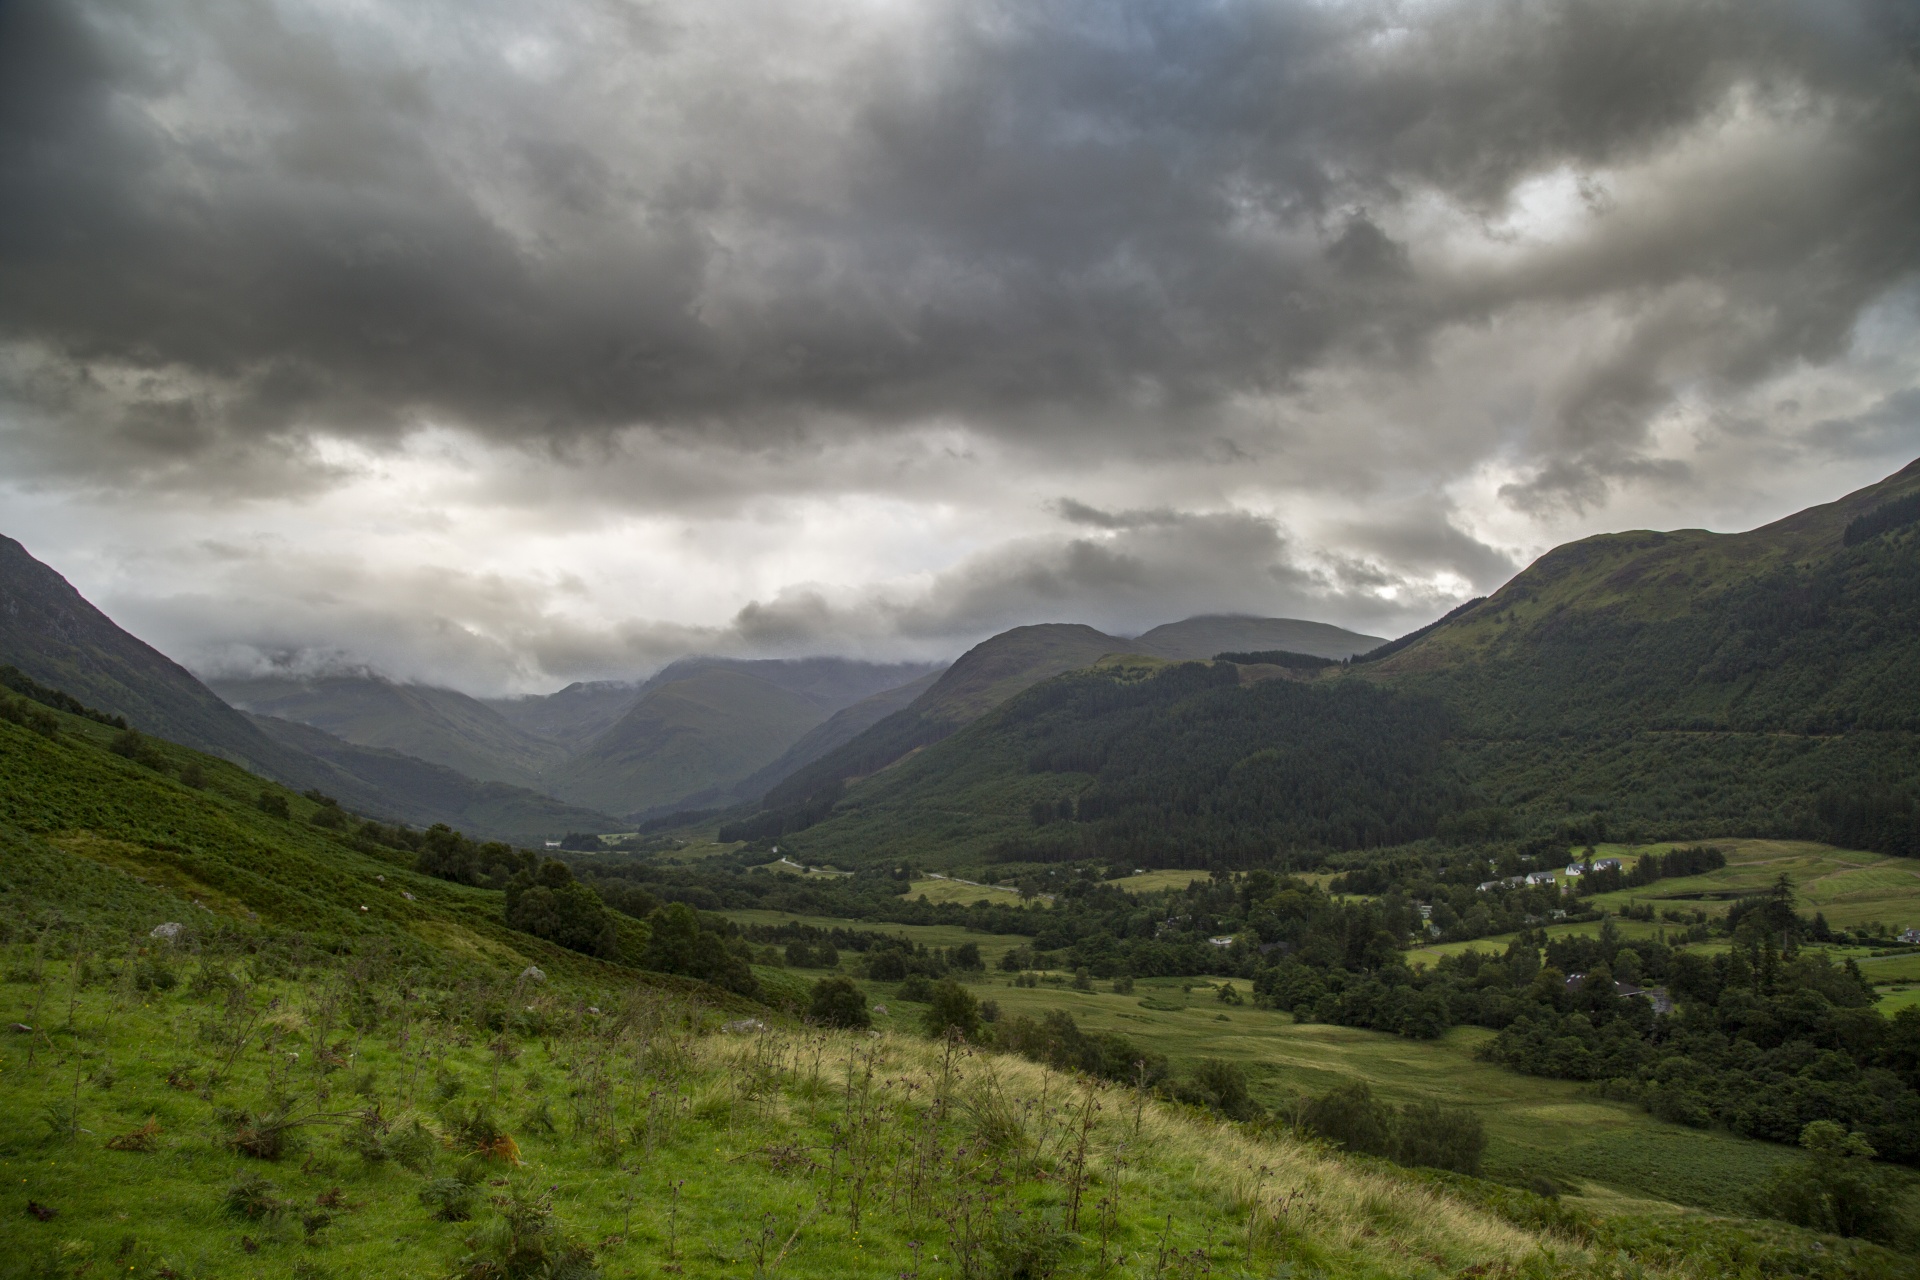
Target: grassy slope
70, 809
664, 1136
440, 725
709, 730
714, 1144
1534, 1125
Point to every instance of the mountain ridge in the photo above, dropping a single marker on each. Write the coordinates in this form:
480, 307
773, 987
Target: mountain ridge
1764, 683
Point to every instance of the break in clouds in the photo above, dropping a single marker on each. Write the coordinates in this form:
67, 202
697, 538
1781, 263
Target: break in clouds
502, 344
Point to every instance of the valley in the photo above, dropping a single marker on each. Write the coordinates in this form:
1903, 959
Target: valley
1080, 955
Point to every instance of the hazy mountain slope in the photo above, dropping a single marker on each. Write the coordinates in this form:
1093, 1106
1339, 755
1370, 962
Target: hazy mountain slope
572, 717
1200, 638
51, 632
983, 677
433, 792
687, 740
440, 725
830, 683
842, 727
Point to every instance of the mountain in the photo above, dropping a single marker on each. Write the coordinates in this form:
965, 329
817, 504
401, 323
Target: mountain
702, 725
572, 717
1675, 685
54, 635
997, 669
842, 727
1203, 637
427, 793
439, 725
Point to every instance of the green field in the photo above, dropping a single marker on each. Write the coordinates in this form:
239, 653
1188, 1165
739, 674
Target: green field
1850, 888
936, 888
1158, 881
992, 945
1534, 1125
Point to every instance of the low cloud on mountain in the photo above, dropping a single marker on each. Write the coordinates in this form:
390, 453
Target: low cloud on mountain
499, 344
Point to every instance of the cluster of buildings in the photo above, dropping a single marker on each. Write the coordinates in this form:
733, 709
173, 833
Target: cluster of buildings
1540, 879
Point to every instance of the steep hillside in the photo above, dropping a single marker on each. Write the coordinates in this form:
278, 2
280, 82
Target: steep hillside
435, 793
842, 727
1202, 637
1765, 683
686, 740
984, 676
55, 636
1680, 685
573, 716
1158, 765
438, 725
123, 843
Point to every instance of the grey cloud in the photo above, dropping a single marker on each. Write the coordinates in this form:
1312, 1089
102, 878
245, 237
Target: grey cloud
233, 225
1076, 512
274, 611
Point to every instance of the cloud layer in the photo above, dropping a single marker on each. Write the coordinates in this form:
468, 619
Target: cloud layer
876, 326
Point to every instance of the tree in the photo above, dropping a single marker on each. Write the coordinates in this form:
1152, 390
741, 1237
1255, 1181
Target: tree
1837, 1189
1352, 1117
951, 1008
677, 942
838, 1002
551, 904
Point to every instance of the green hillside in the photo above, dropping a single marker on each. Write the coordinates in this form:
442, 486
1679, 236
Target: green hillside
983, 678
440, 725
1653, 685
1762, 683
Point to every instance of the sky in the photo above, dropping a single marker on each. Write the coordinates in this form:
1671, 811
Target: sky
501, 345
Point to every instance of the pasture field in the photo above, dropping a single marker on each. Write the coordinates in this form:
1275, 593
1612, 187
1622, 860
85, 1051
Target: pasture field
1157, 881
938, 889
1849, 887
1534, 1126
1495, 945
992, 945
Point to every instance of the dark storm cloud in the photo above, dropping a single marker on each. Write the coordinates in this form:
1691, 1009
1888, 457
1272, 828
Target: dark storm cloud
229, 225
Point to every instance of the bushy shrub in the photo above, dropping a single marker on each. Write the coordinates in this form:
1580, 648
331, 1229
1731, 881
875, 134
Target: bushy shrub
1058, 1041
837, 1002
1837, 1189
680, 942
551, 904
951, 1010
1220, 1086
1420, 1134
